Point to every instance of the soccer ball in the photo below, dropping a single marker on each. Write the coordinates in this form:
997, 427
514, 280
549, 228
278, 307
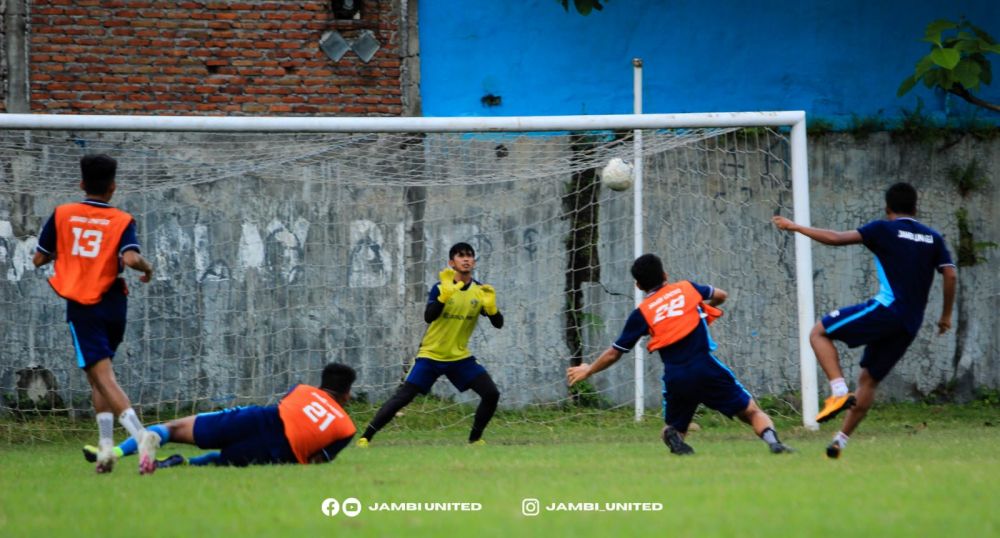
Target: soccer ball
617, 175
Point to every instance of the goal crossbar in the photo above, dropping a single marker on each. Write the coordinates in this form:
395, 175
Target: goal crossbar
95, 122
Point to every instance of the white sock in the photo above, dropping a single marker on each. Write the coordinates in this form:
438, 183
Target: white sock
131, 423
106, 430
841, 439
838, 386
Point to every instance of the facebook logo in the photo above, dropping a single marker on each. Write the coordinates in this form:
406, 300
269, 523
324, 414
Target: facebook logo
330, 507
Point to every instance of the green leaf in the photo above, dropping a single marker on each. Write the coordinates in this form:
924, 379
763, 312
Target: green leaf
967, 45
906, 86
933, 78
947, 82
946, 58
986, 73
584, 7
966, 73
924, 65
929, 79
934, 29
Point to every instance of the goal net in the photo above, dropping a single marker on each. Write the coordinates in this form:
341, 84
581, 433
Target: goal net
278, 251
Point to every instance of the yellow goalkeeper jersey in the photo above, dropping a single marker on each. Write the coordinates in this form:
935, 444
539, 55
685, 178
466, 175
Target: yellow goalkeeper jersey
447, 337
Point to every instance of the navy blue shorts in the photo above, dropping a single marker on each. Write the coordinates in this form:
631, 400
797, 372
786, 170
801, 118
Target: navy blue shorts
246, 435
98, 329
461, 373
872, 325
95, 339
702, 380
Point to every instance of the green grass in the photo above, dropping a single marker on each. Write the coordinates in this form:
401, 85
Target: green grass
912, 470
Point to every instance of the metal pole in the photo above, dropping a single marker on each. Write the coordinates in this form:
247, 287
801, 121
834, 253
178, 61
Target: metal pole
637, 245
804, 275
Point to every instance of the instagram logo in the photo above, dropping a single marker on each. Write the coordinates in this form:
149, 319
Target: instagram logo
529, 507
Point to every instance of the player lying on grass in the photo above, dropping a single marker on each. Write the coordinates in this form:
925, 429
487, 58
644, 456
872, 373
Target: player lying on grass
308, 425
454, 306
907, 253
676, 318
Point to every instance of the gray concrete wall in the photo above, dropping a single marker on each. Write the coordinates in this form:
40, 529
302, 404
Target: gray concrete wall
262, 279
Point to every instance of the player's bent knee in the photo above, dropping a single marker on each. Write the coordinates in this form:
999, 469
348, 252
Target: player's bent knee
748, 414
818, 331
486, 388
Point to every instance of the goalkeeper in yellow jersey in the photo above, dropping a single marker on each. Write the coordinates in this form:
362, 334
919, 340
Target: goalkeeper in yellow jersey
453, 307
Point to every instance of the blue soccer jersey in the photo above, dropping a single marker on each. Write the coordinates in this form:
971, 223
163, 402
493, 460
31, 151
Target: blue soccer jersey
906, 255
691, 374
696, 344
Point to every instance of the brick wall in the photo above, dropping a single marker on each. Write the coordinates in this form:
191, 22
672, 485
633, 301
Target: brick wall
3, 58
208, 57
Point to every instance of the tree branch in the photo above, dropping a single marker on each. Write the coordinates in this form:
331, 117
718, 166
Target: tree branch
965, 94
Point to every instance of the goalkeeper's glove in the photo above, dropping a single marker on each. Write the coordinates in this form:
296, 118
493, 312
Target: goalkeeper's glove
447, 286
489, 299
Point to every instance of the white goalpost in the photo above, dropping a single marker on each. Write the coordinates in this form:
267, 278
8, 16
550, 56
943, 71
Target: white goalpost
284, 242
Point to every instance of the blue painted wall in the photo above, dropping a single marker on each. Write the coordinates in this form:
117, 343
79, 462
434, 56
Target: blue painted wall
834, 59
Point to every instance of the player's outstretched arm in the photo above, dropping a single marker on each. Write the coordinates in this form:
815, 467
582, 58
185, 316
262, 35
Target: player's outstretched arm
827, 237
135, 260
329, 453
718, 297
950, 276
576, 374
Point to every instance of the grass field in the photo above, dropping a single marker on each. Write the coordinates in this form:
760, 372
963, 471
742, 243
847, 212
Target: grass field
913, 470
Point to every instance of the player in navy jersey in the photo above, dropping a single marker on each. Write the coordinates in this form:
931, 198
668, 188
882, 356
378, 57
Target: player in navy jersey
91, 242
676, 318
907, 253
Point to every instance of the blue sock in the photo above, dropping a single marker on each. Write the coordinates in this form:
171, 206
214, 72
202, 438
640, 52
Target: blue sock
131, 446
162, 431
205, 459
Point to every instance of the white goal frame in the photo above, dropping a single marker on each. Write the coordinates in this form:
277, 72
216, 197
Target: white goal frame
796, 120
